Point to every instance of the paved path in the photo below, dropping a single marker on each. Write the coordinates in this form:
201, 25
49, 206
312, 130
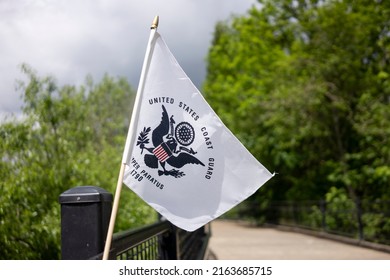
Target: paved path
238, 241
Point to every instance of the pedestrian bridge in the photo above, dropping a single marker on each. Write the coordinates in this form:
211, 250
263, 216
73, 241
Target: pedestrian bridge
234, 240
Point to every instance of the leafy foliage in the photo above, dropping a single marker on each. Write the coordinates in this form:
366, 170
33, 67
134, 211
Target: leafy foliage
68, 137
305, 86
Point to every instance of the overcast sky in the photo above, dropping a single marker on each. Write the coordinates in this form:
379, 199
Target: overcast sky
70, 39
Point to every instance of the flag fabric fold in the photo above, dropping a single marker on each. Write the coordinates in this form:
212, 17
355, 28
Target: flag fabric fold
183, 161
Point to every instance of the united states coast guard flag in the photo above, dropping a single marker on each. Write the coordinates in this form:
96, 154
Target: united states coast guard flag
180, 158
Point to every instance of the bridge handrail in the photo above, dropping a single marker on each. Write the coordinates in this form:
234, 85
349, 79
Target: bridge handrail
85, 213
364, 220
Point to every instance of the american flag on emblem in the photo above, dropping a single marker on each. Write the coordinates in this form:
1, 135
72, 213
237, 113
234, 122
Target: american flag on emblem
162, 152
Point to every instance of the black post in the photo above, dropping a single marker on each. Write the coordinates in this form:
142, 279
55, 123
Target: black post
85, 215
359, 213
323, 214
170, 244
295, 213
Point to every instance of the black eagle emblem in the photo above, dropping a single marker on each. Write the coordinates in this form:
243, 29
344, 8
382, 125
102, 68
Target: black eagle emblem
170, 146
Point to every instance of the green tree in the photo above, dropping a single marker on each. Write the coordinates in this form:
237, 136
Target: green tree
305, 86
68, 137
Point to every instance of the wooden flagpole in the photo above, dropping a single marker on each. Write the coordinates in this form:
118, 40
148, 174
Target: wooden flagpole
129, 141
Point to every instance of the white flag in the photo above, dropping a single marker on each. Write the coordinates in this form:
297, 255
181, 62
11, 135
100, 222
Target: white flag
183, 161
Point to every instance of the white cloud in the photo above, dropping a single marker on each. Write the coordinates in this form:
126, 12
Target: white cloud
71, 39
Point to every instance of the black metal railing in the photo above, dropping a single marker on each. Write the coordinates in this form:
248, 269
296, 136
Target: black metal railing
160, 241
140, 244
359, 219
85, 213
363, 220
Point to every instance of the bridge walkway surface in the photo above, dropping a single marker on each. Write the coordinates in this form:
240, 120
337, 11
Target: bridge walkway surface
232, 240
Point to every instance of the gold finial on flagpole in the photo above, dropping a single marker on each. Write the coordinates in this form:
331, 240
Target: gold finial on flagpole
155, 23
